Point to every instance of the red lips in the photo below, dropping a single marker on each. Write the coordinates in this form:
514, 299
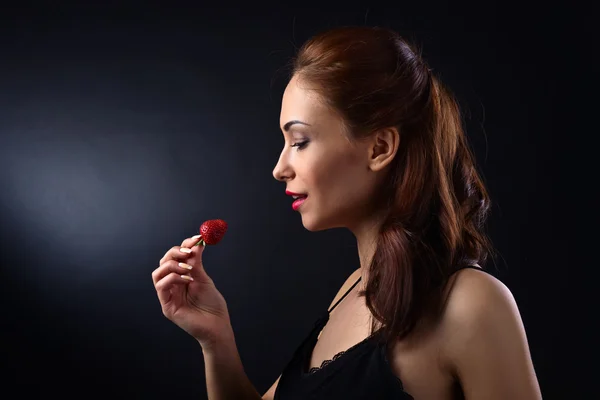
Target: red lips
298, 202
293, 194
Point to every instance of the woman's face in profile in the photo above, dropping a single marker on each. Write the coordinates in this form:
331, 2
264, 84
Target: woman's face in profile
317, 160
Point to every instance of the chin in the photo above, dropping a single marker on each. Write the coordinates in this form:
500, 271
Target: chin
310, 223
313, 224
312, 227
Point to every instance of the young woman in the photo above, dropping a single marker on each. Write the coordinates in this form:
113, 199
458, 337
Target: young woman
374, 144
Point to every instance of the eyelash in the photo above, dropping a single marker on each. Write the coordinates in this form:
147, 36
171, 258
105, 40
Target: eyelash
300, 145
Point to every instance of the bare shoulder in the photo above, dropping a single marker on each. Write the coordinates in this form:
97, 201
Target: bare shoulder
473, 295
481, 322
470, 285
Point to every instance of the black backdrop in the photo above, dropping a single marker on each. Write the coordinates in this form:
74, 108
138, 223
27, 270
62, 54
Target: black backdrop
122, 128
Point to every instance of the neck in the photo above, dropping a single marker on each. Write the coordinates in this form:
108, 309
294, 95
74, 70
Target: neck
366, 239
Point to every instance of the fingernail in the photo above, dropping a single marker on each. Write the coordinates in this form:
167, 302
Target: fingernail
187, 277
184, 265
185, 250
196, 236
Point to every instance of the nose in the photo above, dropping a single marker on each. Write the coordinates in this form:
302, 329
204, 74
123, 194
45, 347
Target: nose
282, 170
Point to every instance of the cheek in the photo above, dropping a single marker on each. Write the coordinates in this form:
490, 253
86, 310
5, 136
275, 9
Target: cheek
340, 179
328, 171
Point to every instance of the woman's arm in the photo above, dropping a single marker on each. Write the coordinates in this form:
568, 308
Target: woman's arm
225, 375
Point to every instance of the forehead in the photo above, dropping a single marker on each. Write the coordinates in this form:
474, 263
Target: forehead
301, 103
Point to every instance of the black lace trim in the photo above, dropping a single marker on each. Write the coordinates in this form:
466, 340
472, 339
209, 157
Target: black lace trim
341, 353
326, 362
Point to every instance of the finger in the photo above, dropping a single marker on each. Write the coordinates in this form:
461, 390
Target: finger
194, 267
164, 286
182, 253
192, 242
168, 267
195, 256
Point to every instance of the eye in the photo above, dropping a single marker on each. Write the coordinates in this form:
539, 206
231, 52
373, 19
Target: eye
300, 145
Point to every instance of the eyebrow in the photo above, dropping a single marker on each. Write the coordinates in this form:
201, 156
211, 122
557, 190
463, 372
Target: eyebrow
289, 124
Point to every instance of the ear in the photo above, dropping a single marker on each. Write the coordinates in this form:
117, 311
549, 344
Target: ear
383, 148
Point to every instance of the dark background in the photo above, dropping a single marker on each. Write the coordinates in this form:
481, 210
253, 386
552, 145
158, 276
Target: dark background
122, 128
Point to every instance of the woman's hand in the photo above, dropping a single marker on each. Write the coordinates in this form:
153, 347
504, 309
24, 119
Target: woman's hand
189, 297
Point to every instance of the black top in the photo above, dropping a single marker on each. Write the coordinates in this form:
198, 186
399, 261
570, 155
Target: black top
358, 373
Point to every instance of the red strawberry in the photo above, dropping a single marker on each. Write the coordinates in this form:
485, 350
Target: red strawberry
212, 231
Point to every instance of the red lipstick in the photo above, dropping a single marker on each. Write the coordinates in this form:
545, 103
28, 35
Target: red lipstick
294, 194
298, 202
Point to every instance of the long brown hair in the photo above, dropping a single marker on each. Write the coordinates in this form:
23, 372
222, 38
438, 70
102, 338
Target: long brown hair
434, 199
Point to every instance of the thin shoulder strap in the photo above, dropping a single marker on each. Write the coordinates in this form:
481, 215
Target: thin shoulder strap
465, 266
474, 266
345, 294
